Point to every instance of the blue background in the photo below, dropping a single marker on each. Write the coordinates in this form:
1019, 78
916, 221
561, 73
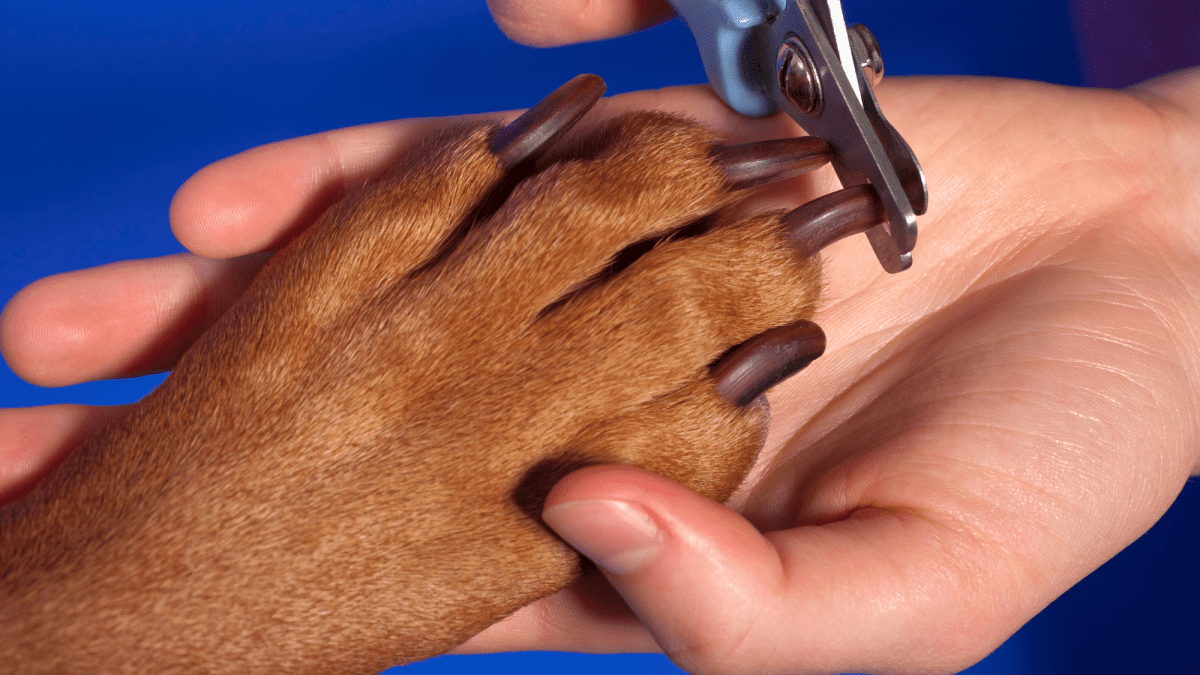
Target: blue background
108, 107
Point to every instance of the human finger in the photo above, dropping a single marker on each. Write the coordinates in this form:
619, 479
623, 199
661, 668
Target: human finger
720, 597
548, 23
135, 317
118, 320
257, 200
34, 440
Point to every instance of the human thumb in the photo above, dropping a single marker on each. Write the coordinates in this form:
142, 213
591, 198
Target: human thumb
884, 588
696, 573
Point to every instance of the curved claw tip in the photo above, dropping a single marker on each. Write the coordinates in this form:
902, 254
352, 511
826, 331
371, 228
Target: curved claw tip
766, 360
531, 134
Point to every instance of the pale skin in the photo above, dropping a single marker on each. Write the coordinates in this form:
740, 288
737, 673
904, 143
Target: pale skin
983, 431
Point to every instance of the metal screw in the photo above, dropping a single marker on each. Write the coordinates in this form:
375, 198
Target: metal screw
872, 57
798, 77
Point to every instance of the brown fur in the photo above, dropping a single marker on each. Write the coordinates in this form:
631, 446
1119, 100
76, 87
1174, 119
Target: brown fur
346, 472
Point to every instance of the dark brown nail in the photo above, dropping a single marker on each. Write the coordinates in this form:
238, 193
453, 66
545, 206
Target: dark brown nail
823, 221
755, 164
528, 136
767, 359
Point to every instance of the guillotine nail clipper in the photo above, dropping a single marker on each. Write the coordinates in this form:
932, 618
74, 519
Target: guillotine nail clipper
799, 56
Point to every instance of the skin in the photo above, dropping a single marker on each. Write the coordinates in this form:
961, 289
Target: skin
982, 432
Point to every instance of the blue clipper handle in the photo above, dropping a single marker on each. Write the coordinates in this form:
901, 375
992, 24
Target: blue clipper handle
724, 32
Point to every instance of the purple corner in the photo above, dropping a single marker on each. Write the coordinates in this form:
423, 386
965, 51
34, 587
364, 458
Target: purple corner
1122, 42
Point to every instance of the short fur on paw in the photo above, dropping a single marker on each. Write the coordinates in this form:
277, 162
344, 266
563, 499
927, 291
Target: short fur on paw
346, 472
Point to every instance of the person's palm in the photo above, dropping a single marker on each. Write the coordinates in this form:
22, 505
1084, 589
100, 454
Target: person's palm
983, 431
993, 426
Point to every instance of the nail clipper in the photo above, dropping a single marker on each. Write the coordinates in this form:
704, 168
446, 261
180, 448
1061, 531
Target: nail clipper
799, 56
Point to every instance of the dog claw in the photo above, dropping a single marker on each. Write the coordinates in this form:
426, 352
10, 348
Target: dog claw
767, 359
823, 221
531, 134
754, 164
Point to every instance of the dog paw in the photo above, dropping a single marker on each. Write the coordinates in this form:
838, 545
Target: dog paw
346, 472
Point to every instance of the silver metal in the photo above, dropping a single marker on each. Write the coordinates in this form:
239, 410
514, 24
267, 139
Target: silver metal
903, 159
798, 77
830, 14
864, 43
866, 149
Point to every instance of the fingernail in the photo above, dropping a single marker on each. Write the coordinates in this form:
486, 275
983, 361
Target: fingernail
618, 536
531, 134
767, 359
823, 221
754, 164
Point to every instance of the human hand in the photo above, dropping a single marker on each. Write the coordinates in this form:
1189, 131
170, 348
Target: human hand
984, 430
139, 316
849, 393
995, 425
